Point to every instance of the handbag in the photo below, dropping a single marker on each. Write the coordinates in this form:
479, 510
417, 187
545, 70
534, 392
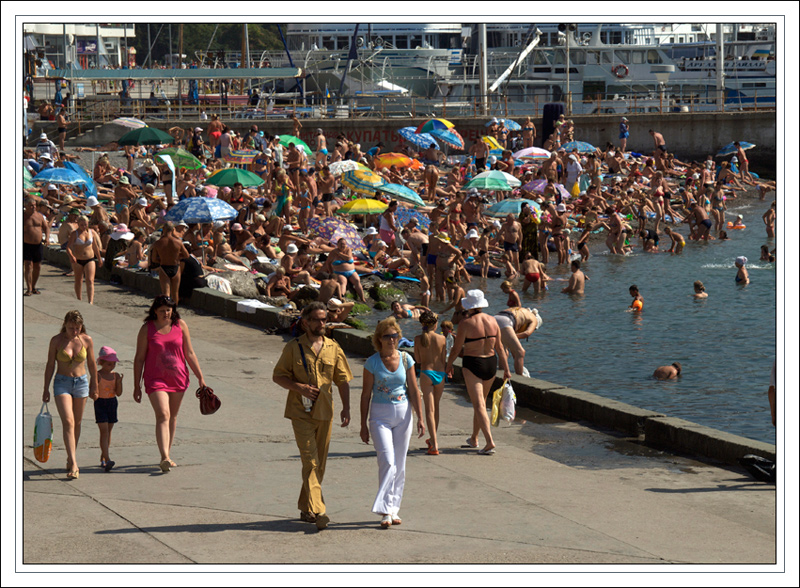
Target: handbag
43, 434
209, 403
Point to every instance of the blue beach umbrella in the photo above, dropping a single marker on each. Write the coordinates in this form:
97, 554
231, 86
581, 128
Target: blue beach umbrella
60, 175
89, 188
581, 146
511, 206
510, 124
201, 210
731, 148
403, 214
403, 193
449, 137
421, 140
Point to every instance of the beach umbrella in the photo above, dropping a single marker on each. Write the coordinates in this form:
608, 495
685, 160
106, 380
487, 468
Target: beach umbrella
363, 206
421, 140
27, 178
510, 124
404, 214
363, 180
145, 136
130, 122
181, 158
241, 156
532, 153
539, 185
285, 140
201, 210
390, 159
404, 193
434, 124
60, 175
492, 142
581, 146
233, 175
89, 187
333, 229
493, 175
449, 137
730, 148
337, 168
511, 206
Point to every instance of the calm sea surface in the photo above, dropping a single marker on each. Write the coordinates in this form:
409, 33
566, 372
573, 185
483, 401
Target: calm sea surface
725, 343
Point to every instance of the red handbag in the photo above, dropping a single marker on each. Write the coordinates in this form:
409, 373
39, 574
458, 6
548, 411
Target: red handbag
209, 403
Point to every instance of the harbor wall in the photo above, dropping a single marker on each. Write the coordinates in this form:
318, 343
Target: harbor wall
649, 427
690, 136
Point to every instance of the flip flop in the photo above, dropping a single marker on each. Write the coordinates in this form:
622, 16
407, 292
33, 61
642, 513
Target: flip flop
28, 294
486, 451
164, 465
470, 445
35, 291
432, 451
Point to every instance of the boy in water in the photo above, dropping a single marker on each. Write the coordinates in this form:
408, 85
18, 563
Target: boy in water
638, 300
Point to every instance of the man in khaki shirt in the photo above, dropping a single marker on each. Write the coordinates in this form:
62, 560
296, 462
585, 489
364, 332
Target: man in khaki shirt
308, 368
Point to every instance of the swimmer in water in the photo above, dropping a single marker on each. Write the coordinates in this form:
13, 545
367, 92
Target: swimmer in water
667, 372
638, 300
742, 276
513, 298
699, 290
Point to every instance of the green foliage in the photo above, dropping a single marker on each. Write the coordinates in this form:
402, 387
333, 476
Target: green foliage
359, 308
381, 306
196, 37
355, 323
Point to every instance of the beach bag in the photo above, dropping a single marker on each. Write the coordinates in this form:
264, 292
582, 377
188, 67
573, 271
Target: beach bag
508, 403
43, 435
497, 396
209, 403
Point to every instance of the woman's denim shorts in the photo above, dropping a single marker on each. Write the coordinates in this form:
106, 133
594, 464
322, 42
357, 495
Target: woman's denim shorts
75, 387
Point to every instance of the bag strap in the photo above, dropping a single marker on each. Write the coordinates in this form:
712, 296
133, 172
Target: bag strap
303, 357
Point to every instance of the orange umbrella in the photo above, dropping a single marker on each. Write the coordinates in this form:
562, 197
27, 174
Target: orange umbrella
390, 159
416, 164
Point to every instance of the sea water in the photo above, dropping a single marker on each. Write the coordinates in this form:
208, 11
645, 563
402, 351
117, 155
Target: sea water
725, 343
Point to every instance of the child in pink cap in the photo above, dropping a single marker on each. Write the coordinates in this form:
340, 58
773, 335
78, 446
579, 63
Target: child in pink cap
109, 386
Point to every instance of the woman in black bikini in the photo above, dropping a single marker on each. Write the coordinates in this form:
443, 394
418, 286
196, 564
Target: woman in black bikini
83, 248
479, 336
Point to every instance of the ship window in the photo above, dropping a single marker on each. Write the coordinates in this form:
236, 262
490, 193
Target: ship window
342, 42
623, 56
401, 42
637, 57
653, 56
577, 57
416, 41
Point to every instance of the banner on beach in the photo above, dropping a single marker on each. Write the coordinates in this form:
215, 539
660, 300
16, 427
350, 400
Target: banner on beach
168, 160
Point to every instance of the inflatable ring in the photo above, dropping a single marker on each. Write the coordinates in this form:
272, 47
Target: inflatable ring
732, 226
620, 70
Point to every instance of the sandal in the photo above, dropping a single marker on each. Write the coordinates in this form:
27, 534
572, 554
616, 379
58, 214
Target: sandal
396, 520
109, 464
469, 444
73, 475
432, 451
164, 465
486, 451
35, 291
28, 293
386, 521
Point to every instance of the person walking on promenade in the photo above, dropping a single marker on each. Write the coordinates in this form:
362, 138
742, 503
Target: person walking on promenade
389, 384
71, 356
308, 368
163, 350
430, 352
168, 252
479, 336
83, 248
34, 227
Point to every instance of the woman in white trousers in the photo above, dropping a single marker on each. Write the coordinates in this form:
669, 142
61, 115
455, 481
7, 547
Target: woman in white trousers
390, 385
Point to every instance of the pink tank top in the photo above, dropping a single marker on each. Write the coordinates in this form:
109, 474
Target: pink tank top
165, 364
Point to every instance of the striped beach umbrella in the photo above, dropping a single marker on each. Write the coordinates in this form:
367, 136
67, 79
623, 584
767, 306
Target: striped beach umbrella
532, 153
363, 206
130, 122
434, 124
363, 180
60, 175
449, 137
241, 156
421, 140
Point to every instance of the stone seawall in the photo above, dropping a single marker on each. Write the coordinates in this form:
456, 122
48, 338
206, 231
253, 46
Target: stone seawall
688, 135
652, 428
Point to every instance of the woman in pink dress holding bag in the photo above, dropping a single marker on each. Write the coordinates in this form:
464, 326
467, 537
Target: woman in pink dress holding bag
163, 350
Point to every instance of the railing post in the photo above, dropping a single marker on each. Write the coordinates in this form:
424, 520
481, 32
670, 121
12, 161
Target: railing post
444, 106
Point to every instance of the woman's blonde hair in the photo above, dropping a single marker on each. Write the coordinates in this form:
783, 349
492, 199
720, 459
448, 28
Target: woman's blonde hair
388, 324
73, 316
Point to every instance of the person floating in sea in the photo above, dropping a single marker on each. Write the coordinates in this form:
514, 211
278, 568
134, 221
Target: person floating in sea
667, 372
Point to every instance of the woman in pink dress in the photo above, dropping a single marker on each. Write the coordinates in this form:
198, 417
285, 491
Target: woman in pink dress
163, 349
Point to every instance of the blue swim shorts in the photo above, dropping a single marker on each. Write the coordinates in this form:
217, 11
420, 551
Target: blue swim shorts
75, 387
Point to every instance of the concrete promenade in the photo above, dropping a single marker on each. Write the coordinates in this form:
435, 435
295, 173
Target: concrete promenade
555, 493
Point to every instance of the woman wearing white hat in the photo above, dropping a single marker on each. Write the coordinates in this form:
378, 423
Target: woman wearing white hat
479, 336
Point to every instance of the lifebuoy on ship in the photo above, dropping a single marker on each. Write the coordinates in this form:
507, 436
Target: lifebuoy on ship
620, 70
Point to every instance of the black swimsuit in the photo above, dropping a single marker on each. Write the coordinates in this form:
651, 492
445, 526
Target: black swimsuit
484, 368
